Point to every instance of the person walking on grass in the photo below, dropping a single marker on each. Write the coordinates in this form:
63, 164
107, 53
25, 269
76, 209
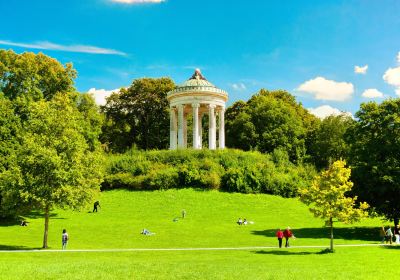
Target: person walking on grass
287, 233
95, 205
279, 235
389, 235
396, 232
382, 234
65, 239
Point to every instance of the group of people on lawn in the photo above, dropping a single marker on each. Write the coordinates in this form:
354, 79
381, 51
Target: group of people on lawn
287, 234
387, 234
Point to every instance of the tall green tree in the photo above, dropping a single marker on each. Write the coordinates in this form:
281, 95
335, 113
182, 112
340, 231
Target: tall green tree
54, 166
327, 198
269, 120
10, 129
138, 116
375, 156
32, 77
328, 142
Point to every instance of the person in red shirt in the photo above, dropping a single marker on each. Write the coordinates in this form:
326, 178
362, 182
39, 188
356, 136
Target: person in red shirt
287, 233
279, 234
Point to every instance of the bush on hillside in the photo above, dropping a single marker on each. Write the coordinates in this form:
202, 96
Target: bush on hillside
226, 170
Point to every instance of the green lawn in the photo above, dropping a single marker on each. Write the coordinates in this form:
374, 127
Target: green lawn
210, 222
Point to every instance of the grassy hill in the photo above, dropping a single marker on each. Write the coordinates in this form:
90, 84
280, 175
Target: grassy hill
210, 222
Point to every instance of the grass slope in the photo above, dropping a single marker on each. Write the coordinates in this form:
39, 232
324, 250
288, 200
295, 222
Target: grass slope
210, 222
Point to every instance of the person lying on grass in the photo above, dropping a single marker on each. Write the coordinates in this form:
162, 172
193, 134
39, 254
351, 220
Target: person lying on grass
146, 232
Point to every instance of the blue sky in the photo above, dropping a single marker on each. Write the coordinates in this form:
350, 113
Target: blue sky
310, 48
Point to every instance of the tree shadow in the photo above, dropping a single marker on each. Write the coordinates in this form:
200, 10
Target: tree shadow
283, 253
15, 248
8, 222
391, 247
39, 215
350, 233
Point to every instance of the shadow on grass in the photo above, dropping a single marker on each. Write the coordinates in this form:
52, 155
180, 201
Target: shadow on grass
292, 253
39, 215
283, 253
391, 247
9, 222
15, 248
351, 233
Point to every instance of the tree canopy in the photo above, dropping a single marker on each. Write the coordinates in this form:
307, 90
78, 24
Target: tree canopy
270, 120
30, 76
328, 142
138, 116
327, 198
54, 165
375, 156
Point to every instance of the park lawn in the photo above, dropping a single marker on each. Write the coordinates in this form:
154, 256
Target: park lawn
210, 222
345, 263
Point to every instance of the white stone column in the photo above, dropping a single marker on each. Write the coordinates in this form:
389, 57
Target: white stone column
201, 131
212, 128
195, 107
184, 130
221, 136
172, 129
180, 127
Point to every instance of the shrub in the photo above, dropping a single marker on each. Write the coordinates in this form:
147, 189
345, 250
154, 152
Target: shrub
227, 170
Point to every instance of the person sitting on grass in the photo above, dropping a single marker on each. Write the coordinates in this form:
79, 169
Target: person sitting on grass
240, 222
245, 221
24, 224
147, 232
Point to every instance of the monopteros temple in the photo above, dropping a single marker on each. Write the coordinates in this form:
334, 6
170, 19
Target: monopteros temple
197, 97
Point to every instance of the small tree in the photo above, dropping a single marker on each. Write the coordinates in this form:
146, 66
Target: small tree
327, 199
54, 165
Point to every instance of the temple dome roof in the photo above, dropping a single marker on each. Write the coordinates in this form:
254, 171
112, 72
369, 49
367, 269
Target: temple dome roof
197, 79
197, 84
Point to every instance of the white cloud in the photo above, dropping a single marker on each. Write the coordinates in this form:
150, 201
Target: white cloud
372, 93
398, 91
66, 48
398, 57
326, 110
100, 95
137, 1
324, 89
392, 76
361, 69
239, 86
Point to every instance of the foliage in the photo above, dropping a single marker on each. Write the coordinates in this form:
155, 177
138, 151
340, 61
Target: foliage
32, 77
327, 198
138, 116
10, 128
270, 120
328, 142
54, 166
375, 156
228, 170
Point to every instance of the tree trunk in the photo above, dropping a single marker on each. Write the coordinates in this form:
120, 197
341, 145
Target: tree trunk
331, 222
46, 226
